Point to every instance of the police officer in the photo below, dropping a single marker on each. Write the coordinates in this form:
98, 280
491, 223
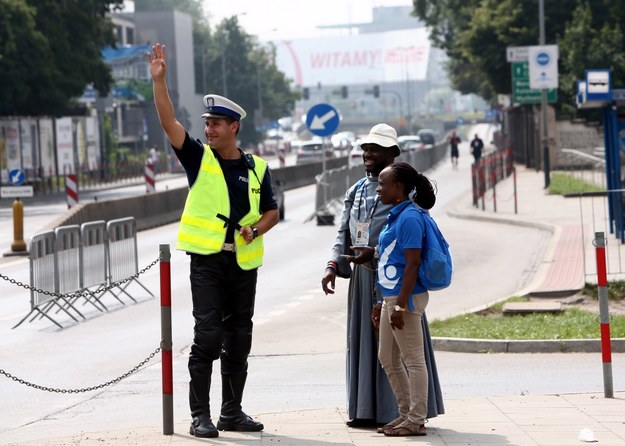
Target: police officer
229, 207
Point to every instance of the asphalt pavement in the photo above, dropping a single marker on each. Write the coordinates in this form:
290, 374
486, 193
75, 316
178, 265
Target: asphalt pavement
548, 419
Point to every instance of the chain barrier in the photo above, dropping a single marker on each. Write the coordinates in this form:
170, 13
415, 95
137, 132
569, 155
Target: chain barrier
85, 389
84, 293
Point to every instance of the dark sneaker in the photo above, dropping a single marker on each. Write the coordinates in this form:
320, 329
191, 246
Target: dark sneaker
203, 427
241, 423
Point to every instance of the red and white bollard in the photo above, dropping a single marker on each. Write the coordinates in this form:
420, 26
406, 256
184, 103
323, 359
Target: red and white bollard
166, 341
71, 190
604, 314
281, 157
150, 182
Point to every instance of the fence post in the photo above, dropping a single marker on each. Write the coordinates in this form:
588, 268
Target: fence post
604, 315
71, 190
494, 175
166, 341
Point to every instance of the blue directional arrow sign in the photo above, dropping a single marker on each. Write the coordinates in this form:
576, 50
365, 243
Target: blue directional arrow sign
322, 119
17, 177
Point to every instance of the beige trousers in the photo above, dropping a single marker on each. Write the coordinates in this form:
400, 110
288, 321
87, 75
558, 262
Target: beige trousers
402, 356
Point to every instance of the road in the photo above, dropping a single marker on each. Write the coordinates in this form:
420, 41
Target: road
297, 358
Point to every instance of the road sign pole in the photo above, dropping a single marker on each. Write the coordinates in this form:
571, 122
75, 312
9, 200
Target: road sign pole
543, 98
323, 120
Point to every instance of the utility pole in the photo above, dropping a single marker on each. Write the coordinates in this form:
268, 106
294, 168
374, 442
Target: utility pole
543, 99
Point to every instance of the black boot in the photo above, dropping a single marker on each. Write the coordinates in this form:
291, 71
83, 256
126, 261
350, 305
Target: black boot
232, 417
201, 425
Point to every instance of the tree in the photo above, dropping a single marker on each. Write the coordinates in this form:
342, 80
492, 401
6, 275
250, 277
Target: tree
245, 72
475, 34
231, 62
50, 51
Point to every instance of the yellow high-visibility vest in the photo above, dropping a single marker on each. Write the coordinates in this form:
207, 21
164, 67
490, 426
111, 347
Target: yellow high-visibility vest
201, 231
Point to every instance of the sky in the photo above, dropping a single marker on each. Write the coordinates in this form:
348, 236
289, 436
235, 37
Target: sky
294, 19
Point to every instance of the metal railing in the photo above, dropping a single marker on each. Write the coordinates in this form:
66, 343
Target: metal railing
74, 263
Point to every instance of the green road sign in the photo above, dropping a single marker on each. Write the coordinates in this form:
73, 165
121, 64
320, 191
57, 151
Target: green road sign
521, 91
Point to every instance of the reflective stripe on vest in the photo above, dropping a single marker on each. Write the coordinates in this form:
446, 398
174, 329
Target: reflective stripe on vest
201, 232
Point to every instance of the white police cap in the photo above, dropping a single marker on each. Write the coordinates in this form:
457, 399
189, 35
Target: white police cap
220, 107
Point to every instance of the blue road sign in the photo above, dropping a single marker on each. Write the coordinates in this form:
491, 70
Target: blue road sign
17, 177
322, 119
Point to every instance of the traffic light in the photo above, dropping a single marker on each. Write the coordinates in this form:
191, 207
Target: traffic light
376, 91
306, 93
344, 91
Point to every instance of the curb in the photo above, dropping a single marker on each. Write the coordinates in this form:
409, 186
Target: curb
466, 345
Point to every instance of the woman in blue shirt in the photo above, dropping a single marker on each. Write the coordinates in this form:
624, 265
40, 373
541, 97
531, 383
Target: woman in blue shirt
405, 299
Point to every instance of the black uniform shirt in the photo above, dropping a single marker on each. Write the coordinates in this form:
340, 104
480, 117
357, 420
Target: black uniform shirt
236, 173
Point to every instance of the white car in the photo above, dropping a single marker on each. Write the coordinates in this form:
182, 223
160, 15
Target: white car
355, 154
410, 143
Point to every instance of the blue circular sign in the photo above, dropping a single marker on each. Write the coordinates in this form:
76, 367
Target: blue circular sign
322, 119
542, 58
17, 177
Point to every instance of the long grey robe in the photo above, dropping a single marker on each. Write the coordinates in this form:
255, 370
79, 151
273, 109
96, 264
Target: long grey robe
369, 395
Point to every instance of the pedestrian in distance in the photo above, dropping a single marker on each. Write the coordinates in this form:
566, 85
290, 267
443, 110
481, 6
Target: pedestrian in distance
229, 207
477, 145
370, 399
454, 140
401, 350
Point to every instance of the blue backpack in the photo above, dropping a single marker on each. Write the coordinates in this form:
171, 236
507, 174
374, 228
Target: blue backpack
436, 263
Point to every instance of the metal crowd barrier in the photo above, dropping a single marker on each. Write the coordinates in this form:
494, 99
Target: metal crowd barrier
123, 259
333, 183
82, 262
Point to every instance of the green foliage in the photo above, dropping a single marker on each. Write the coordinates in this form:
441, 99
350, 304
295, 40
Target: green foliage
252, 78
475, 34
570, 324
49, 53
562, 184
616, 290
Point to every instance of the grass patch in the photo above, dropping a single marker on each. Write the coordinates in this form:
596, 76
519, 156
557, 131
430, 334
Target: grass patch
616, 290
572, 323
562, 184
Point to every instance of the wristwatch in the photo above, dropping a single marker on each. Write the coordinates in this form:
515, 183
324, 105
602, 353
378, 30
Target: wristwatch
254, 232
398, 308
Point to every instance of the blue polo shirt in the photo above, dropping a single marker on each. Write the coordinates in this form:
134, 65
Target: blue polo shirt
404, 229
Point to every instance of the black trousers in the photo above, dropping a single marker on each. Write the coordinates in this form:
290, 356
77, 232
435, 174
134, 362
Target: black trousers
223, 306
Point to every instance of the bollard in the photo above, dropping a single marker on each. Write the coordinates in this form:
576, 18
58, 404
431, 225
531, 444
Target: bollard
281, 158
148, 174
18, 244
166, 341
604, 315
71, 190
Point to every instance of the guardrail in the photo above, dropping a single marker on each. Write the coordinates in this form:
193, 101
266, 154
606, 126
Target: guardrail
332, 184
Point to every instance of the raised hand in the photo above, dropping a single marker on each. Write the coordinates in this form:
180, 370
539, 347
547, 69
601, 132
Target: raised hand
156, 59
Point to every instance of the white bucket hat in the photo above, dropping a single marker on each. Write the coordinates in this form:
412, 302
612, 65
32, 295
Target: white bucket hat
382, 135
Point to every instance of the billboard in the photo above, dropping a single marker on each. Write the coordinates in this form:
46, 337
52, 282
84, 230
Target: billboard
395, 56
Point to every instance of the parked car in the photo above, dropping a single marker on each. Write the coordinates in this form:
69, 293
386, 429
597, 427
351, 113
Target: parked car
428, 137
311, 152
343, 140
355, 154
410, 143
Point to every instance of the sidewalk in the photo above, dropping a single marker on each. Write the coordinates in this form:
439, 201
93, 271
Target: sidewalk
508, 420
550, 420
